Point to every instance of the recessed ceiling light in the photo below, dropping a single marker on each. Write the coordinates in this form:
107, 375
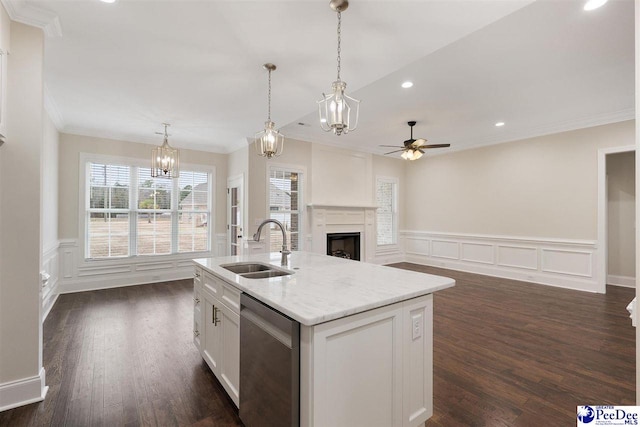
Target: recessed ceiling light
499, 124
407, 85
323, 120
594, 4
108, 1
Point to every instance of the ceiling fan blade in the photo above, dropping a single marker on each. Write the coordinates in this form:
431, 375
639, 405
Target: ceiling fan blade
392, 146
436, 146
391, 152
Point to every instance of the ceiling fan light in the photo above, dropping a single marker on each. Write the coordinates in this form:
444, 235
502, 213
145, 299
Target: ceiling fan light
416, 154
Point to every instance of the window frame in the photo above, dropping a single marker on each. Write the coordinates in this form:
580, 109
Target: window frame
301, 171
135, 163
394, 212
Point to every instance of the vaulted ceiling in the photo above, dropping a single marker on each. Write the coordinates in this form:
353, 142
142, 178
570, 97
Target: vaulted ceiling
119, 70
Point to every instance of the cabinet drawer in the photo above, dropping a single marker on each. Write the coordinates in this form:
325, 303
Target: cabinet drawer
197, 277
212, 285
231, 297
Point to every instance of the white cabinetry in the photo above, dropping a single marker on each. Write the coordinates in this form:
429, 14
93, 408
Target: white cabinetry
220, 330
373, 368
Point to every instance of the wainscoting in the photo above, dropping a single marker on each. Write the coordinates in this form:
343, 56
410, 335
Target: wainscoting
78, 275
49, 279
563, 263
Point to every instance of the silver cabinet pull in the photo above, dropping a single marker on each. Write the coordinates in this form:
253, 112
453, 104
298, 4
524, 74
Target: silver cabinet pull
196, 333
196, 300
215, 316
196, 274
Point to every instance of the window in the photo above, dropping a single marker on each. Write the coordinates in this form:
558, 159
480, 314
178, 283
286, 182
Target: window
386, 214
128, 213
284, 206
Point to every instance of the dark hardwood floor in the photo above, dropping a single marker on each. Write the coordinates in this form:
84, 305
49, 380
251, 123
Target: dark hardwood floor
510, 353
506, 353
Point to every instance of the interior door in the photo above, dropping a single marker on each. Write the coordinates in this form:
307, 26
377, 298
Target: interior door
235, 193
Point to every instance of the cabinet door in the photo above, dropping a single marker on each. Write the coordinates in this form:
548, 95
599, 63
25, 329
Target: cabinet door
230, 357
357, 371
212, 334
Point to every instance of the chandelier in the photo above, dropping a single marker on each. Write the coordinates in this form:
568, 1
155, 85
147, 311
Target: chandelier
269, 142
338, 111
165, 160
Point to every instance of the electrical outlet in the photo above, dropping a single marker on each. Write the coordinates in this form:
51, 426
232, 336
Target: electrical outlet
416, 326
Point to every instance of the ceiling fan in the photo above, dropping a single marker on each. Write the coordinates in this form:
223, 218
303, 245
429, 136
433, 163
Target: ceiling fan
413, 148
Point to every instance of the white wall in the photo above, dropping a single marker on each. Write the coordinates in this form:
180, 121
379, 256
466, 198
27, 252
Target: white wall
21, 372
525, 210
50, 242
621, 218
543, 187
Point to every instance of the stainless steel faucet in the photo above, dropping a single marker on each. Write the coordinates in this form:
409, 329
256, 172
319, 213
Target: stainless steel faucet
285, 251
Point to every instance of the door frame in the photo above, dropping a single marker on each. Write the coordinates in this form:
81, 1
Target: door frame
602, 249
235, 181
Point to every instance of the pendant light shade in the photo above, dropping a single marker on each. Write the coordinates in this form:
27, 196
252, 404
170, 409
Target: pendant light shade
269, 142
338, 111
165, 160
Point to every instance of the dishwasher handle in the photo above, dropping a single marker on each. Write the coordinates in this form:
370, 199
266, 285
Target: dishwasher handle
276, 324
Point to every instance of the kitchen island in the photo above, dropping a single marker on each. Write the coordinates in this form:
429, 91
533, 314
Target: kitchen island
365, 333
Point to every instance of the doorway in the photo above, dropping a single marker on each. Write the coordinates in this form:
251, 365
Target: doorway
235, 212
616, 217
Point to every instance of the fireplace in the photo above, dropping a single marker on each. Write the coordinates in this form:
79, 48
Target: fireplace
344, 245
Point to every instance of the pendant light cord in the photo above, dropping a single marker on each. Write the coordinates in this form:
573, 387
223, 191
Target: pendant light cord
269, 109
339, 40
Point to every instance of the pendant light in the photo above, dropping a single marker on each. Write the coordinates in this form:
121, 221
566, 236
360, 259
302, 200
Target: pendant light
165, 160
269, 142
338, 111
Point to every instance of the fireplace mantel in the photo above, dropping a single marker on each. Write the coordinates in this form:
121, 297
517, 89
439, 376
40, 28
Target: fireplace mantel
328, 218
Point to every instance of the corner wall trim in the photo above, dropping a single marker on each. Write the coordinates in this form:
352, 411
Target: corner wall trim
21, 11
23, 392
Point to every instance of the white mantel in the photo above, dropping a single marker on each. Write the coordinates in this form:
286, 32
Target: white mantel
328, 218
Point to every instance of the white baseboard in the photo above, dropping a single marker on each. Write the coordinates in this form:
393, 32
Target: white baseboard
625, 281
23, 391
562, 263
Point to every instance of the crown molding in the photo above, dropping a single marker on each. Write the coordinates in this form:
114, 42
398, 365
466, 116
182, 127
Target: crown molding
51, 107
25, 13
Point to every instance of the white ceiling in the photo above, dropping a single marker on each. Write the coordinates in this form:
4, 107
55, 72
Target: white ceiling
120, 70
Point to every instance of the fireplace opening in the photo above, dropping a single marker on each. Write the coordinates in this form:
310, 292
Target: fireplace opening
344, 245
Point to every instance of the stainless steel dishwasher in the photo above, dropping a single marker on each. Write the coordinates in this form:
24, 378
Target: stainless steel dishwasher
269, 366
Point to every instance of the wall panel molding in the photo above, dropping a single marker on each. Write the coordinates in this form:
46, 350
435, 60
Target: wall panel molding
556, 262
80, 275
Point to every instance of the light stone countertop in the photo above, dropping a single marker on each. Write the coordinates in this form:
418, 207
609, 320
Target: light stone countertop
324, 288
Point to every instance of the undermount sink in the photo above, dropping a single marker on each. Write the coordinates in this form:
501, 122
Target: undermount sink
245, 267
265, 274
251, 270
